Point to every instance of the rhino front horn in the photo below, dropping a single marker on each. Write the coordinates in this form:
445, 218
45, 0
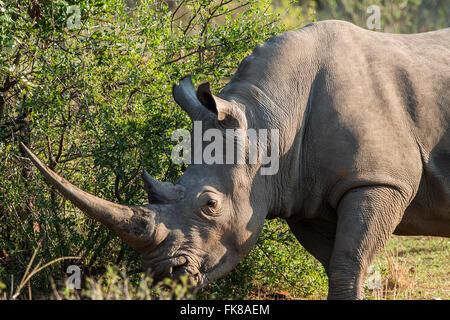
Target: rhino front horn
136, 225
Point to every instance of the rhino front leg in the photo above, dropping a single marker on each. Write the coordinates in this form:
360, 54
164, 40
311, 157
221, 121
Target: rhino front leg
318, 243
366, 219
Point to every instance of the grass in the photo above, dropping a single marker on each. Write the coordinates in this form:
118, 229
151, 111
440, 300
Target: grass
414, 268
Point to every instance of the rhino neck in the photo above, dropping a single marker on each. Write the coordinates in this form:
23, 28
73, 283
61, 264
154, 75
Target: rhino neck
281, 191
274, 85
284, 109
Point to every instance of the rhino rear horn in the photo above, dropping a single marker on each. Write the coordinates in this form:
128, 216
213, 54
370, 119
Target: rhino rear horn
161, 192
201, 104
136, 225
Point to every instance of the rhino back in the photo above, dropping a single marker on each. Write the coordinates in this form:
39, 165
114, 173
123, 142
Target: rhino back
382, 113
402, 83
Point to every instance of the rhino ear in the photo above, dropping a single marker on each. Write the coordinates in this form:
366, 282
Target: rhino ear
227, 113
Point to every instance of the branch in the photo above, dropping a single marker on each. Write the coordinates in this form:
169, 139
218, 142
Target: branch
231, 10
173, 15
201, 49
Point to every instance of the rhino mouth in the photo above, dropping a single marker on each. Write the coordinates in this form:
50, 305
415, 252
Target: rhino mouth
173, 267
177, 270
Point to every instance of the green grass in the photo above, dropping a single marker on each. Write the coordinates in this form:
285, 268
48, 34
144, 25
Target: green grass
414, 268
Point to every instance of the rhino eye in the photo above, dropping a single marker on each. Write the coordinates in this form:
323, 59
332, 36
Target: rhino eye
212, 203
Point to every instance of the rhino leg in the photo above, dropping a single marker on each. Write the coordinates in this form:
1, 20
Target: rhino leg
319, 244
366, 218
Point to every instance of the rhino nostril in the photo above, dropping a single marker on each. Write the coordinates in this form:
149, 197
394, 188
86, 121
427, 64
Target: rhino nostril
178, 270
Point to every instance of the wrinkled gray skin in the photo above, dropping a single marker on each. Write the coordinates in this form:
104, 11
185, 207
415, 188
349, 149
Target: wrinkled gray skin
364, 153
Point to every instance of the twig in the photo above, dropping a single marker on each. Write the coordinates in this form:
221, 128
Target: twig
26, 277
201, 49
173, 15
275, 266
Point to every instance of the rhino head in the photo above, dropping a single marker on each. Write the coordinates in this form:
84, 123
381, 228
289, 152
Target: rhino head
201, 226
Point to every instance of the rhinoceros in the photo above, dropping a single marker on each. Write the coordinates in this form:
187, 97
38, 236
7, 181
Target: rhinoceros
364, 152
